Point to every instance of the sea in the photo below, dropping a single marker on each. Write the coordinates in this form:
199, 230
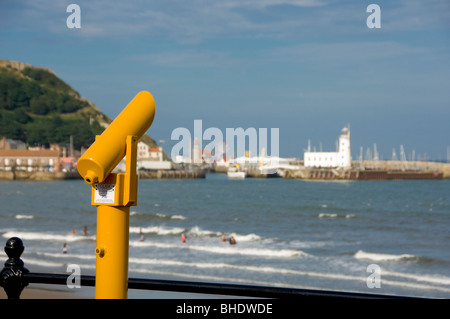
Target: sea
375, 237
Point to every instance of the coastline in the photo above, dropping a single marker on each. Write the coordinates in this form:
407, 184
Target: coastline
366, 170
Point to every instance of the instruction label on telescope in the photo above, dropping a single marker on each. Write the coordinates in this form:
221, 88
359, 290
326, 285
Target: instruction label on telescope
104, 193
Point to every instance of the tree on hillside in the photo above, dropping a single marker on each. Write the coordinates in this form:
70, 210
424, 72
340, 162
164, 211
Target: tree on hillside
31, 104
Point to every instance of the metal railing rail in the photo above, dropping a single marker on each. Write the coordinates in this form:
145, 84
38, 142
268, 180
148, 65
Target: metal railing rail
203, 287
14, 277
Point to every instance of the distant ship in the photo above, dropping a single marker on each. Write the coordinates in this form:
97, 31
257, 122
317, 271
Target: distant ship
235, 172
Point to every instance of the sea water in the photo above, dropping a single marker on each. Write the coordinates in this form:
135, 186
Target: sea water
323, 235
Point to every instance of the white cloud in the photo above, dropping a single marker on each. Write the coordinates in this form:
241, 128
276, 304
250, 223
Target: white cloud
267, 3
195, 20
189, 58
357, 52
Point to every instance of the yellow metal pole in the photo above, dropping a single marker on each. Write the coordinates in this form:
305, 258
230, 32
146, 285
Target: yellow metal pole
111, 275
113, 222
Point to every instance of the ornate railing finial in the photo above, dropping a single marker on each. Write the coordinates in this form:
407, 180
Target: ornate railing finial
11, 276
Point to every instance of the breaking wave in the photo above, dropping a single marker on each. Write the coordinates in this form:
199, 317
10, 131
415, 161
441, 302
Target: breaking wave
157, 230
24, 216
225, 250
156, 215
47, 236
333, 215
383, 257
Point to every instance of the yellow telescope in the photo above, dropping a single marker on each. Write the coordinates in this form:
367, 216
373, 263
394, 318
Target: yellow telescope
114, 193
110, 147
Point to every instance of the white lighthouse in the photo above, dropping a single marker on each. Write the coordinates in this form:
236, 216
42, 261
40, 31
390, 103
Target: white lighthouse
196, 152
341, 159
344, 159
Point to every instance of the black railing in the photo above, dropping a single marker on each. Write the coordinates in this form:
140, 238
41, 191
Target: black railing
15, 277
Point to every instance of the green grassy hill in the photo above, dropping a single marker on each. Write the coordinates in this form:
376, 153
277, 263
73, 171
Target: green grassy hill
39, 108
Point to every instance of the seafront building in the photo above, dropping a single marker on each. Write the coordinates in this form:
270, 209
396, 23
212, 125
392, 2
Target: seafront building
16, 156
30, 160
341, 159
144, 151
9, 144
151, 158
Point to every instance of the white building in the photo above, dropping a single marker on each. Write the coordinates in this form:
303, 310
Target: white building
146, 152
340, 159
150, 158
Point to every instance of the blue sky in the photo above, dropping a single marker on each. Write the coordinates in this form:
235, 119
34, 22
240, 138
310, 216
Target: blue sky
307, 67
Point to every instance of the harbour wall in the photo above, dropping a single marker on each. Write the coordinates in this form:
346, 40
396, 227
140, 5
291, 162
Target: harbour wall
54, 176
37, 176
171, 174
420, 166
375, 170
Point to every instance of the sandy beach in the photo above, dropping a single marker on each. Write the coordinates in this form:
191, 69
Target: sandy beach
88, 293
48, 292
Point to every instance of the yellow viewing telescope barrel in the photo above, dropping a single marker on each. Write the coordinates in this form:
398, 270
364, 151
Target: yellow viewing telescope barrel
109, 148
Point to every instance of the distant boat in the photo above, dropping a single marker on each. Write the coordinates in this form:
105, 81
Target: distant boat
235, 173
269, 172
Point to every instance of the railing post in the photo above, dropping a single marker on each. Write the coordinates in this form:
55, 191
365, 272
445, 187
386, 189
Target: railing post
11, 276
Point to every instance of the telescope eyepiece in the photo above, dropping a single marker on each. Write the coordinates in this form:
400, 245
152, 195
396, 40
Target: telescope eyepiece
91, 178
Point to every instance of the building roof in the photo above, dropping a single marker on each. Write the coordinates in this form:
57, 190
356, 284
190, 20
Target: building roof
28, 153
